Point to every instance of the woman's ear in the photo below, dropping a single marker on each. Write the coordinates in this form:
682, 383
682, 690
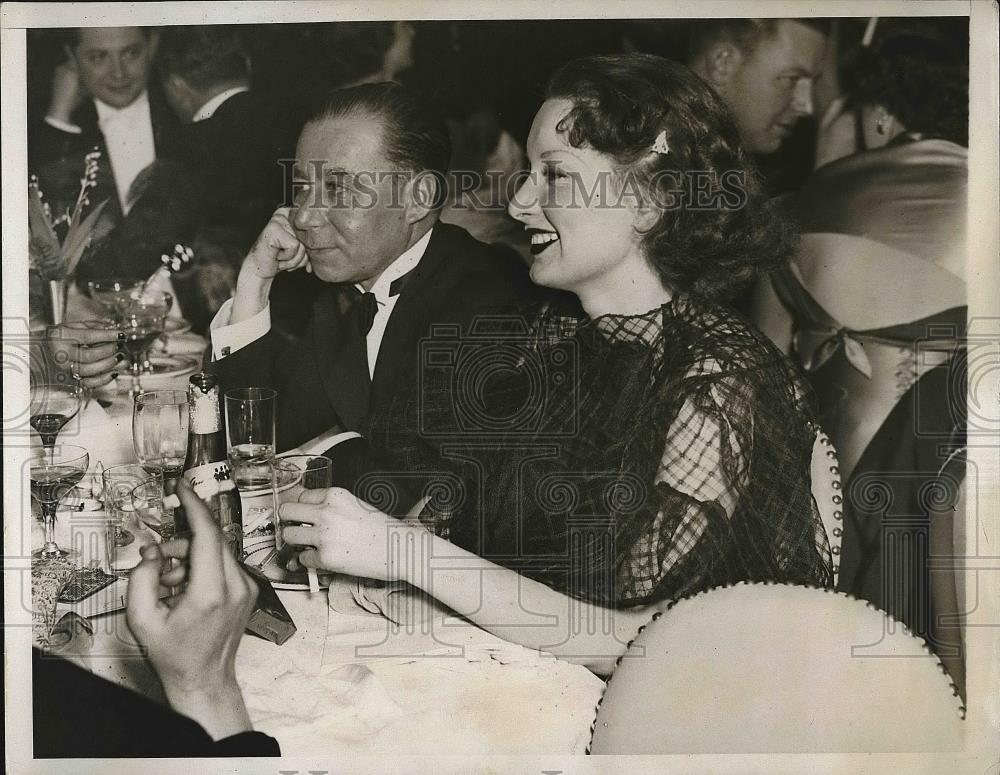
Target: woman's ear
722, 61
645, 215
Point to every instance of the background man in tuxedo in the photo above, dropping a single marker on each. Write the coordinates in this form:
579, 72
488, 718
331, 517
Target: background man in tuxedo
389, 268
226, 177
102, 97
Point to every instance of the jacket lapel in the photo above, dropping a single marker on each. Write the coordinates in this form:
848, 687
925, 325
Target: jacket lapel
408, 323
341, 357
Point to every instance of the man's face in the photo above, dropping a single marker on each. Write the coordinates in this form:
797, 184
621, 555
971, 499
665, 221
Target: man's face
771, 86
114, 63
347, 208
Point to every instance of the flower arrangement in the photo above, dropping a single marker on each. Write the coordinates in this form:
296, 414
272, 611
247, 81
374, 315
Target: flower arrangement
51, 258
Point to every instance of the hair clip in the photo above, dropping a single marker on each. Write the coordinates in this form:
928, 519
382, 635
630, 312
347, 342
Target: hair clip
660, 143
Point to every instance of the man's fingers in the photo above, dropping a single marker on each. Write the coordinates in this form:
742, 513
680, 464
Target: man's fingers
206, 544
144, 591
175, 576
176, 547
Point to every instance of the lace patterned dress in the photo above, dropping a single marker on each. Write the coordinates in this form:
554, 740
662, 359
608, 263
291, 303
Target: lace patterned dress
621, 460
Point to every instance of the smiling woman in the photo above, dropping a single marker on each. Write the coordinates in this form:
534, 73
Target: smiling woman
596, 467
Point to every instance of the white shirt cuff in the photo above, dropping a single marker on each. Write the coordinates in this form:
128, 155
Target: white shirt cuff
63, 126
227, 339
322, 443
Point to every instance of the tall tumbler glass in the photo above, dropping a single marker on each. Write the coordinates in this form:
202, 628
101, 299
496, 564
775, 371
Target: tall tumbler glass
119, 482
250, 432
293, 475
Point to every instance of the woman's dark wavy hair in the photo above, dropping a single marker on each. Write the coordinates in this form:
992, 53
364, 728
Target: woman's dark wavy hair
918, 76
621, 103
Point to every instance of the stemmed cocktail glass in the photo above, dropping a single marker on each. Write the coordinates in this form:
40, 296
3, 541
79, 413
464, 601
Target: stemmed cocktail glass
112, 292
52, 406
53, 475
143, 316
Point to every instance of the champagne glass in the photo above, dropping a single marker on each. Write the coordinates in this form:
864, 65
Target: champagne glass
53, 475
52, 406
143, 320
110, 293
160, 431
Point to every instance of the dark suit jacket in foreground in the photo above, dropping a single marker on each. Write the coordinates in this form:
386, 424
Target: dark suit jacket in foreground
79, 715
318, 382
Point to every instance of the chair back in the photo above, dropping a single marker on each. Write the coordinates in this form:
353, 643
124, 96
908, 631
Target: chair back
768, 668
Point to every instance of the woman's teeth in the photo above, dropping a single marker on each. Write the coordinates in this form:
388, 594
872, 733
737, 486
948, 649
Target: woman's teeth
544, 238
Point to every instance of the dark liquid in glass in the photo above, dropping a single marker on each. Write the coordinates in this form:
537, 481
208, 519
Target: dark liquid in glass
49, 424
50, 484
138, 340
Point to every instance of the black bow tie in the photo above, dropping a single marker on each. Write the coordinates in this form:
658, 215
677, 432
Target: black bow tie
363, 312
366, 305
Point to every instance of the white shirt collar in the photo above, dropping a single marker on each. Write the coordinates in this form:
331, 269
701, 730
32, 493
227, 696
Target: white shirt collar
208, 109
135, 110
407, 261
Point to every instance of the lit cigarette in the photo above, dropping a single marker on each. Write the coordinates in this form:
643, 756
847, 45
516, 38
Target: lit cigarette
313, 580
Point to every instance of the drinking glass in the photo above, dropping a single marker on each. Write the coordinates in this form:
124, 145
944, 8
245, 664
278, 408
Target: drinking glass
110, 293
52, 406
53, 475
147, 500
143, 316
250, 429
160, 431
293, 475
118, 482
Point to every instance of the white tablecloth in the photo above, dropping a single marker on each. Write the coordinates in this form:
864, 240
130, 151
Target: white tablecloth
354, 683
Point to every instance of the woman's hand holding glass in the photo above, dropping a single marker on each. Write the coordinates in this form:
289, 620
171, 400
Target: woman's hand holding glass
342, 533
88, 349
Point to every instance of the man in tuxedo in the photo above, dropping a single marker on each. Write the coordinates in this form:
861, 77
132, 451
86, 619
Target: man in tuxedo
226, 174
102, 97
368, 180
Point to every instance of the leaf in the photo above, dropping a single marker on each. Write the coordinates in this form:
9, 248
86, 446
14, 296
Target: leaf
78, 239
42, 237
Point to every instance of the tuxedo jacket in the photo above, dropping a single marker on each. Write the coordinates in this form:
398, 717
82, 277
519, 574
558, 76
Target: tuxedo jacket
323, 381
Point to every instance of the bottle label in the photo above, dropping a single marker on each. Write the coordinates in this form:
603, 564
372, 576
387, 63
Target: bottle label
204, 409
220, 471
